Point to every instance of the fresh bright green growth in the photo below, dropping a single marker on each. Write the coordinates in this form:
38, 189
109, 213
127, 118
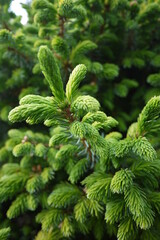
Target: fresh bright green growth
84, 104
41, 4
5, 233
75, 79
148, 121
60, 46
51, 72
81, 49
122, 181
34, 109
154, 79
80, 176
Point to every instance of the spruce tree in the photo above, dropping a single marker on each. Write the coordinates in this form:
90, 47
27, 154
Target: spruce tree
78, 176
82, 178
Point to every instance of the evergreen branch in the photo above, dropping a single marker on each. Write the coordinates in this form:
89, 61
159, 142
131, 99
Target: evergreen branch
51, 72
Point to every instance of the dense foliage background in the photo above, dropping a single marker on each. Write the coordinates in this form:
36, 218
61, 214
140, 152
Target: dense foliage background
48, 187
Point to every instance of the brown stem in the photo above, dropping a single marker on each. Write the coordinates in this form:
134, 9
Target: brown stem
6, 26
25, 139
62, 21
106, 9
57, 56
37, 168
69, 114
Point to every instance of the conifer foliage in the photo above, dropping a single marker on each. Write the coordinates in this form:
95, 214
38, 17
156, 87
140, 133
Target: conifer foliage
67, 172
107, 181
